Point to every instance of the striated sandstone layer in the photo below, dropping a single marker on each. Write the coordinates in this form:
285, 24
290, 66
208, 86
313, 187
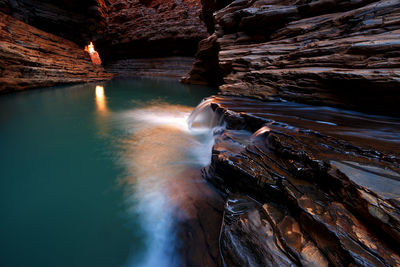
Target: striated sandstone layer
337, 53
175, 67
151, 28
307, 186
32, 58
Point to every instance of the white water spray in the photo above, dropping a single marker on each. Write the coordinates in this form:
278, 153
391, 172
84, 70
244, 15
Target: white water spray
166, 144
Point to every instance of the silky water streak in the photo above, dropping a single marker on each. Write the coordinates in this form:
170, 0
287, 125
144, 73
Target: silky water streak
164, 156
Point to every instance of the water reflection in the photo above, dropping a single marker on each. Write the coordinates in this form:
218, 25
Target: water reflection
101, 99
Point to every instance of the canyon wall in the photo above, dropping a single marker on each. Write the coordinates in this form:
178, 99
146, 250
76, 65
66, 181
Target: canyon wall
119, 28
77, 20
305, 185
152, 37
31, 58
336, 53
152, 28
122, 32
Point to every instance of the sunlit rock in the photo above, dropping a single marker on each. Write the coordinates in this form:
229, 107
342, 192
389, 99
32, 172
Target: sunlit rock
94, 56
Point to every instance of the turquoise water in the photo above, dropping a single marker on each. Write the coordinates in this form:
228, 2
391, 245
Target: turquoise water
83, 176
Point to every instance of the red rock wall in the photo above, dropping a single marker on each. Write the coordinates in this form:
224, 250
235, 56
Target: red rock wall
32, 58
338, 53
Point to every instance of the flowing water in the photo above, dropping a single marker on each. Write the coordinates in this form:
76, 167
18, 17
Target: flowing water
106, 175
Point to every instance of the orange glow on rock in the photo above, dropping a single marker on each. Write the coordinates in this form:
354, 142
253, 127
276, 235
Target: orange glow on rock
94, 56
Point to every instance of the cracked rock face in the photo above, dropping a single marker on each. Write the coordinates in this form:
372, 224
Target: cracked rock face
337, 53
307, 186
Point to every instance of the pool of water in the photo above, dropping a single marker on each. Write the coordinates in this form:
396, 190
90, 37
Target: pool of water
101, 174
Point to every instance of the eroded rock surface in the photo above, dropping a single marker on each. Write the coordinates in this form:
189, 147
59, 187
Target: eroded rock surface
324, 183
337, 53
32, 58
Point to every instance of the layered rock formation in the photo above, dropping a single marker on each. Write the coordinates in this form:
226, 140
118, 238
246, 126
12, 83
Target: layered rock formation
175, 67
32, 58
338, 53
322, 185
152, 28
122, 31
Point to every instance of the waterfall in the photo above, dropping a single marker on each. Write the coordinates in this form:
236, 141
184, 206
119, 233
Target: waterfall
261, 131
203, 116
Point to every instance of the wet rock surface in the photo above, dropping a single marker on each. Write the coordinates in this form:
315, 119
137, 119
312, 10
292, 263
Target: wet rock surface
324, 185
32, 58
198, 229
336, 53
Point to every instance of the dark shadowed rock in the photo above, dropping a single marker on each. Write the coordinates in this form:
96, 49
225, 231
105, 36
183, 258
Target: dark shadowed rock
205, 69
80, 21
152, 28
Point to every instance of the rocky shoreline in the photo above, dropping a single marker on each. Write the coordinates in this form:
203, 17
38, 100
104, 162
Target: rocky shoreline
323, 195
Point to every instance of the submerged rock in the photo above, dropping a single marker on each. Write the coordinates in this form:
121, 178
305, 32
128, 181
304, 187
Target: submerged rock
326, 185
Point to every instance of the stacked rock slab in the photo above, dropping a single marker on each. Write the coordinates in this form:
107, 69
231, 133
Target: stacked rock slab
308, 186
32, 58
337, 53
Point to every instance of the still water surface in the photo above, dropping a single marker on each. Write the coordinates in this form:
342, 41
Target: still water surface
88, 176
